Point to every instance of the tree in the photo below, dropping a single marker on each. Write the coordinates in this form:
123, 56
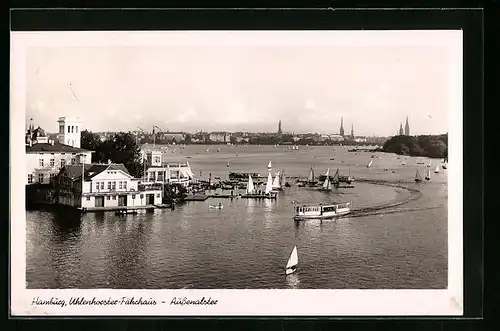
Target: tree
91, 141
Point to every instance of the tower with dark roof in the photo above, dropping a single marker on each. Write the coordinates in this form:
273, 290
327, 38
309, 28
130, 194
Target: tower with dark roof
400, 129
352, 131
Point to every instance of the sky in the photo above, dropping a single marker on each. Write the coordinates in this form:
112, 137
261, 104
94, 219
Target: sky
241, 87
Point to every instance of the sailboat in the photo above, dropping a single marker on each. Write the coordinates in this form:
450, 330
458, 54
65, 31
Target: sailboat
291, 265
437, 169
404, 162
428, 175
228, 164
327, 186
336, 178
418, 178
269, 166
250, 186
310, 178
429, 165
277, 182
445, 164
370, 164
269, 184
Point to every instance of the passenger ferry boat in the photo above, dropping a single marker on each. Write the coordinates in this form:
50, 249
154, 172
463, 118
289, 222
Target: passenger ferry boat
319, 211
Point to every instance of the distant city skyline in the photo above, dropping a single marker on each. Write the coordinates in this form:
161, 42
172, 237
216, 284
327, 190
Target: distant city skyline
242, 88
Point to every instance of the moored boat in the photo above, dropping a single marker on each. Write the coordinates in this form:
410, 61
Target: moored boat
292, 263
418, 178
320, 211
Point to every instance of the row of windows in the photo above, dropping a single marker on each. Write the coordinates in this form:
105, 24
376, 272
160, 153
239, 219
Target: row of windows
71, 129
41, 153
109, 197
40, 178
122, 185
52, 162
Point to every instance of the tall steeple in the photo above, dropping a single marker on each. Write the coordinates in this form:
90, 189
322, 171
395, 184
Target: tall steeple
341, 126
352, 131
279, 127
400, 129
407, 127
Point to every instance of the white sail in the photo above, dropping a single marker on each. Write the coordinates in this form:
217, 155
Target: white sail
276, 182
269, 166
369, 164
269, 185
326, 184
437, 168
294, 258
250, 187
310, 178
327, 172
430, 162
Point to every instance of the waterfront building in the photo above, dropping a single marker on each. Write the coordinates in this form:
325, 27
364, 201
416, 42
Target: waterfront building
336, 137
176, 136
170, 173
45, 157
105, 186
221, 137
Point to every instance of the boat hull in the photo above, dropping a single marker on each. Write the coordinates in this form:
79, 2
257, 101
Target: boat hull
320, 217
290, 271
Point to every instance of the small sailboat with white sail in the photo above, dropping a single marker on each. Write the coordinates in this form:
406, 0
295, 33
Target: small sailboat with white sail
445, 164
292, 263
418, 177
436, 170
327, 185
276, 186
369, 164
430, 163
250, 187
428, 175
310, 178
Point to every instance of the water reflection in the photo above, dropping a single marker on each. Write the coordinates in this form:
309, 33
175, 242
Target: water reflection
293, 281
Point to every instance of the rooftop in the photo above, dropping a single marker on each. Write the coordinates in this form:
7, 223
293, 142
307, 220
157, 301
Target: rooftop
57, 147
92, 170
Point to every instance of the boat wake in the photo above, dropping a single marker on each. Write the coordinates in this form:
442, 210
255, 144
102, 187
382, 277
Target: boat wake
385, 208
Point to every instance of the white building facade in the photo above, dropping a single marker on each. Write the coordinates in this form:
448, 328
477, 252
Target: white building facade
105, 186
70, 131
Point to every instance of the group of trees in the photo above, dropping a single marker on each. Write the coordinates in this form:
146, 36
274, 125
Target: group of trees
121, 147
431, 146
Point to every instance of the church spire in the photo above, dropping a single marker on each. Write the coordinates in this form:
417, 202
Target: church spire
400, 129
341, 126
352, 130
407, 127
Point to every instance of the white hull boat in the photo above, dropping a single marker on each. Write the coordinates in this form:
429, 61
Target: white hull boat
321, 212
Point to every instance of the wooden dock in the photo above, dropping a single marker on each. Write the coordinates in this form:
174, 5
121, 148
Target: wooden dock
258, 196
197, 197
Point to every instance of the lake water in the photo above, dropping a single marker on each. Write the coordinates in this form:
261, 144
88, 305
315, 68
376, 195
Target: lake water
246, 244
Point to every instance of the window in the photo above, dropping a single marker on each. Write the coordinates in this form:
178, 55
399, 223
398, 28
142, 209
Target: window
73, 161
96, 185
114, 197
30, 178
109, 185
120, 185
113, 186
61, 128
69, 129
40, 178
108, 197
102, 185
158, 195
40, 162
76, 129
63, 163
52, 162
142, 196
133, 196
88, 198
51, 176
124, 185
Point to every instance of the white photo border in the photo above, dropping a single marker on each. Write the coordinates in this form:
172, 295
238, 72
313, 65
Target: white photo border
448, 302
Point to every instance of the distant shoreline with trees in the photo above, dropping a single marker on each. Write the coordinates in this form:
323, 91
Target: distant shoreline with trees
433, 146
